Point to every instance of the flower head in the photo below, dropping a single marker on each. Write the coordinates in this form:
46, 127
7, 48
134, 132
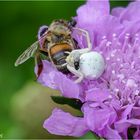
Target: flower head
111, 103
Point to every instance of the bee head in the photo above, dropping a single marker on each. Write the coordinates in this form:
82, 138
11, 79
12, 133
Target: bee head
72, 23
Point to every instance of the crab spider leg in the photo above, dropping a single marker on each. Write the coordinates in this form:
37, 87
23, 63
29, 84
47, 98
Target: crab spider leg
59, 66
76, 73
89, 45
64, 64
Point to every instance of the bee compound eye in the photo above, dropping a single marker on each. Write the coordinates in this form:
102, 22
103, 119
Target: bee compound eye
72, 23
42, 30
76, 65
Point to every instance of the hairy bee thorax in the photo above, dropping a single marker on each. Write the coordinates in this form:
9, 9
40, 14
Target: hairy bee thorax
60, 27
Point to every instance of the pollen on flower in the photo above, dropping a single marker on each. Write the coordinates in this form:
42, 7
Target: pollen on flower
114, 35
112, 55
118, 59
110, 96
113, 71
108, 43
130, 83
116, 90
120, 76
127, 35
107, 58
121, 65
123, 81
137, 92
104, 37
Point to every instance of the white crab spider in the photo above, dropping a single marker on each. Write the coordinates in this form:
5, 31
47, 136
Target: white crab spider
91, 63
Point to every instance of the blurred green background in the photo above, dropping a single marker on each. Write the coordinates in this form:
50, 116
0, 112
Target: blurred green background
24, 104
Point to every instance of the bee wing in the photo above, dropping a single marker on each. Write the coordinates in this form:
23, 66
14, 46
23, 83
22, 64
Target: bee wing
28, 53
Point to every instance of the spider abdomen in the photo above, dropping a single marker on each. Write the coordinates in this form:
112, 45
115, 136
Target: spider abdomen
92, 65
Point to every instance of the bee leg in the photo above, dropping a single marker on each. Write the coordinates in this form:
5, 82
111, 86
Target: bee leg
76, 73
89, 45
39, 64
43, 51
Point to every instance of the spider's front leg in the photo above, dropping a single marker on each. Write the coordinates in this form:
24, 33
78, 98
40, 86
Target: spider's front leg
75, 54
89, 45
76, 73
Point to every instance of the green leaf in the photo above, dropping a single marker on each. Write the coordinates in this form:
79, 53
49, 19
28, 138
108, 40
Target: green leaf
90, 135
75, 103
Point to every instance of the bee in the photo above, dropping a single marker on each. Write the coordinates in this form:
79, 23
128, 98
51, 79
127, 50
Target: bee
54, 44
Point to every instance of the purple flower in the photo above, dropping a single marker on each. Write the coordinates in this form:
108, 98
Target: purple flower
111, 106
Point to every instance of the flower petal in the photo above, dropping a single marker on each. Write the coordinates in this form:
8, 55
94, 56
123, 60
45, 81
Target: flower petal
112, 134
54, 79
98, 118
122, 125
67, 86
47, 75
127, 111
129, 28
103, 27
132, 12
117, 11
136, 111
137, 133
62, 123
97, 95
92, 11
